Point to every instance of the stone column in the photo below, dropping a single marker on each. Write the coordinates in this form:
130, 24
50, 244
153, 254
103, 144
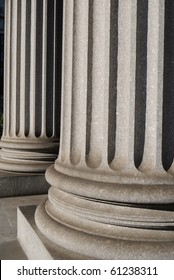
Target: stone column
32, 88
111, 197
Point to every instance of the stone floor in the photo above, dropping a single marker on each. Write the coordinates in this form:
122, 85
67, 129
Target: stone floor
9, 246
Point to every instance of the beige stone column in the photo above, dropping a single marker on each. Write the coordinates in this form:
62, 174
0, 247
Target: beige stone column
111, 197
31, 98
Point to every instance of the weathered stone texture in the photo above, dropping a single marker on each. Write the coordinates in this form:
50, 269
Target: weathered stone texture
112, 195
31, 87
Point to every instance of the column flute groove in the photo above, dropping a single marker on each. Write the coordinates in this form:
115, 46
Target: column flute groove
23, 63
7, 66
152, 157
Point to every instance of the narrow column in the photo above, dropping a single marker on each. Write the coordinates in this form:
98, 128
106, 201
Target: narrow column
31, 93
101, 203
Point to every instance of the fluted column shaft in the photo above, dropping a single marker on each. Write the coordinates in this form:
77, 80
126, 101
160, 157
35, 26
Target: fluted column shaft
31, 92
110, 195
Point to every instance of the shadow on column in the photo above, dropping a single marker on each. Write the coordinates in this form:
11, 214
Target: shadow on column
141, 78
168, 101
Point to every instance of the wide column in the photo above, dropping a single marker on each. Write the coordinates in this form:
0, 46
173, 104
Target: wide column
111, 196
31, 88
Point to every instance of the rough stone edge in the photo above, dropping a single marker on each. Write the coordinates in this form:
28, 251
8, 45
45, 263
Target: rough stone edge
28, 239
34, 244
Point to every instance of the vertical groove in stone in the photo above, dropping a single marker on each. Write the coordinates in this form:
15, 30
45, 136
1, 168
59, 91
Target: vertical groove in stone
39, 65
79, 77
5, 59
113, 79
23, 63
106, 78
89, 76
44, 68
141, 78
18, 77
27, 69
14, 68
33, 67
6, 66
57, 76
50, 68
153, 131
168, 92
67, 80
36, 68
55, 72
100, 84
124, 155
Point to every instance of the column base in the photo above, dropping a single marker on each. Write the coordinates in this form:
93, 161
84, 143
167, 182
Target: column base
94, 245
27, 155
108, 221
108, 185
